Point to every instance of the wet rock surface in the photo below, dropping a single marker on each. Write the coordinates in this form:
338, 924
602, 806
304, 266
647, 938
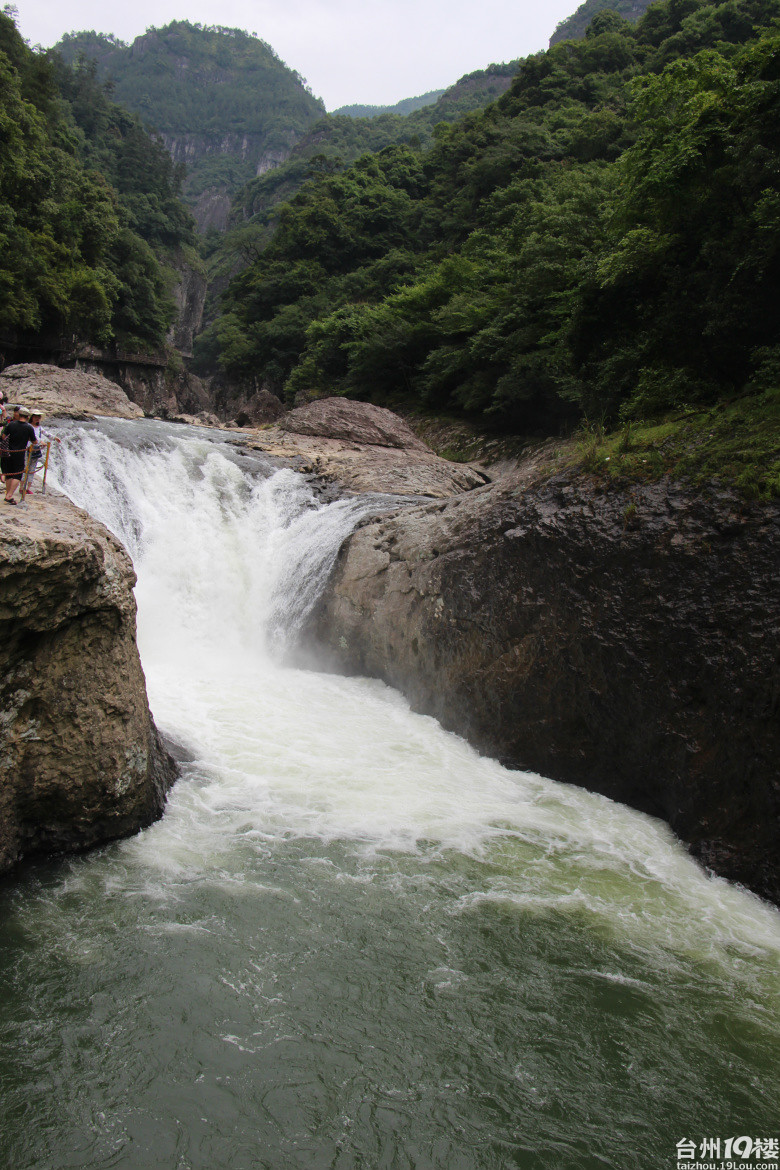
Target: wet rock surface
80, 759
623, 641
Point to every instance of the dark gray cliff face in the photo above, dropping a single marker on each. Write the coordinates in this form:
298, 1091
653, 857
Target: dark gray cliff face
626, 643
80, 758
190, 297
252, 154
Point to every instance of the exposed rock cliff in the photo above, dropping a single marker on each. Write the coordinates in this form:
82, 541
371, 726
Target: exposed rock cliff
190, 297
212, 204
624, 642
80, 759
126, 389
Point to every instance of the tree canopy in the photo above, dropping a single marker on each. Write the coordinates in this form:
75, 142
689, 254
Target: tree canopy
89, 208
600, 241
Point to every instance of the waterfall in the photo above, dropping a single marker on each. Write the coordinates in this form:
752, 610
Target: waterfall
351, 941
230, 557
228, 551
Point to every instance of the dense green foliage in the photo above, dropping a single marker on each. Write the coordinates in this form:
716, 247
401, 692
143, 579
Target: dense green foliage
576, 25
338, 140
223, 91
604, 240
186, 78
331, 145
89, 211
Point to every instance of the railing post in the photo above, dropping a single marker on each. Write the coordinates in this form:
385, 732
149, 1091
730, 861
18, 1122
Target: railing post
46, 468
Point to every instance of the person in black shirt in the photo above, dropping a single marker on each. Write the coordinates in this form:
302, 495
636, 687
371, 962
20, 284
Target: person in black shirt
18, 435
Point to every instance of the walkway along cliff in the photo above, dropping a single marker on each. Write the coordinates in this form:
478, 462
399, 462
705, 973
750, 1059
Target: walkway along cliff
628, 644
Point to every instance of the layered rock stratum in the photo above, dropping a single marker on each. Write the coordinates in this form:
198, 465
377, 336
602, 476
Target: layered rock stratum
625, 641
80, 759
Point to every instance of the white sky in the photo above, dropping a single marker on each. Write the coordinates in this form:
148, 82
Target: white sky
369, 51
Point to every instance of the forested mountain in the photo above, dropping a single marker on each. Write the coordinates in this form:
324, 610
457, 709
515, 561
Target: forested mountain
575, 26
406, 106
232, 112
90, 214
337, 140
223, 101
603, 240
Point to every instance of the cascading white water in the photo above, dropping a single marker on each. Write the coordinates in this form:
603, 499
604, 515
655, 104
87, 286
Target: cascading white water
331, 863
224, 560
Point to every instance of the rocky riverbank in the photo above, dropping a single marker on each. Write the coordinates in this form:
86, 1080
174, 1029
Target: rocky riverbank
623, 641
80, 759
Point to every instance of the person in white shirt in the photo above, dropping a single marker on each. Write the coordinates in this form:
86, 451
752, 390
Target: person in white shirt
37, 455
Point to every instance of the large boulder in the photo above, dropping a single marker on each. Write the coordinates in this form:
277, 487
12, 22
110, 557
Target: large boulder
364, 448
80, 758
262, 408
352, 422
66, 393
625, 641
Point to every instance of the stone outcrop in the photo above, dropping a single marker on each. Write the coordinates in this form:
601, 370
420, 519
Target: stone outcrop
212, 208
80, 758
263, 407
623, 641
353, 422
364, 448
134, 389
66, 393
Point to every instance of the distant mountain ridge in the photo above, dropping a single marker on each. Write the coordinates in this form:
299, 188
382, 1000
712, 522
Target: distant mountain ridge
575, 26
227, 108
405, 106
222, 100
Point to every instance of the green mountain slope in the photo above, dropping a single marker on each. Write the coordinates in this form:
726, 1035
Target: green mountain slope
222, 100
574, 27
91, 224
338, 140
331, 145
602, 242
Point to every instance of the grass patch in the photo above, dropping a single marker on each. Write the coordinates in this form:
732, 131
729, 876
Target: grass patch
736, 442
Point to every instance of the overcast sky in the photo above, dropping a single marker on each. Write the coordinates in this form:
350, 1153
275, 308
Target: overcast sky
368, 51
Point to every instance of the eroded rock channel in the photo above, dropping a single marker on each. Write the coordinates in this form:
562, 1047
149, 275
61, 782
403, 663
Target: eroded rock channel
627, 644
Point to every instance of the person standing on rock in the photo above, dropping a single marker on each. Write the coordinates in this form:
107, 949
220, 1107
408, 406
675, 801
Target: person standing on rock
18, 436
37, 453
